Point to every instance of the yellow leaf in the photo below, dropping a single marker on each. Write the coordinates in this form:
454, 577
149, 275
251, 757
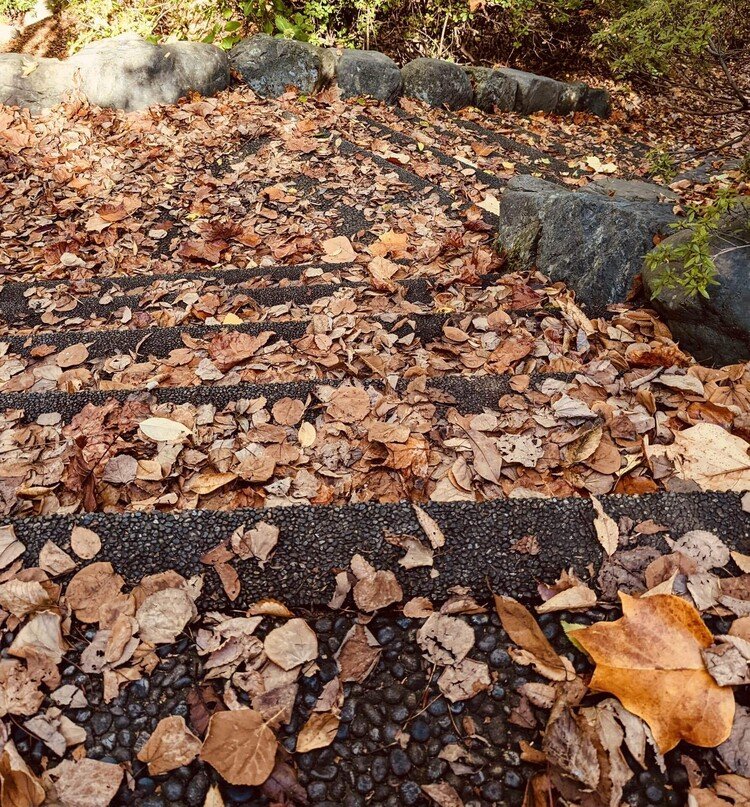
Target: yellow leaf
651, 660
318, 732
606, 528
231, 319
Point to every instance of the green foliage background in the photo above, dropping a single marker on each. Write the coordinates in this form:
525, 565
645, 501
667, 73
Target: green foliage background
629, 36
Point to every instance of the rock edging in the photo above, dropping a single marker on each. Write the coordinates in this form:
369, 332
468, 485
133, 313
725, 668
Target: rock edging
127, 72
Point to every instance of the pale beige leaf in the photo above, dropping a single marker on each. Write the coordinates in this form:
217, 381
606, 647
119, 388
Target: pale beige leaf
163, 430
20, 787
445, 639
170, 746
164, 615
570, 599
709, 455
607, 531
291, 644
743, 561
10, 547
41, 635
338, 250
288, 411
306, 435
240, 747
464, 680
86, 782
19, 691
348, 404
706, 549
213, 797
85, 542
54, 560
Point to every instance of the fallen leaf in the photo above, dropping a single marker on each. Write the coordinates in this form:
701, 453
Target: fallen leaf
10, 547
91, 587
430, 526
163, 430
338, 250
164, 615
464, 680
443, 794
86, 782
319, 732
72, 355
376, 591
706, 549
240, 747
306, 435
650, 659
292, 644
170, 746
85, 542
358, 655
19, 787
523, 630
55, 561
734, 750
571, 599
23, 597
607, 531
445, 639
258, 542
288, 411
709, 455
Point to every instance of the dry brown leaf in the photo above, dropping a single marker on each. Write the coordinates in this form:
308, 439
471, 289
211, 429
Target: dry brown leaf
19, 787
292, 644
376, 591
338, 250
445, 639
213, 797
348, 404
258, 542
21, 597
743, 561
430, 526
443, 794
288, 411
464, 680
40, 636
91, 587
86, 782
523, 630
54, 560
607, 531
709, 455
358, 655
170, 746
650, 659
10, 547
706, 549
19, 691
240, 747
164, 615
72, 355
319, 732
85, 542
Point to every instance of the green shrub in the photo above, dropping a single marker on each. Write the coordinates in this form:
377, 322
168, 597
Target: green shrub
688, 265
12, 9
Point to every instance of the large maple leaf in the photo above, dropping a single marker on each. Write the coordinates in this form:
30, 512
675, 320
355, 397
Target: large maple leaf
651, 660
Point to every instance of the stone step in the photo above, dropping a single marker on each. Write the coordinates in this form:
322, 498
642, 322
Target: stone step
472, 394
315, 542
21, 315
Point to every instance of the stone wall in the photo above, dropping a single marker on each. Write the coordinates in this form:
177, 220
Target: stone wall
127, 72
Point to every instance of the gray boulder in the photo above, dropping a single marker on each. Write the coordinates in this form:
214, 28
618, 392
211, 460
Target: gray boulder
493, 89
368, 72
714, 330
594, 242
271, 66
534, 93
125, 72
437, 83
